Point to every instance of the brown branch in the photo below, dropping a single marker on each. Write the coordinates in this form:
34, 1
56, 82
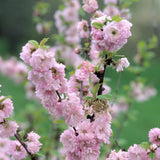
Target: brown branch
101, 74
60, 99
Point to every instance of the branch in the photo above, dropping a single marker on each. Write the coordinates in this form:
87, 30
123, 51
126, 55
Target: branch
25, 147
101, 75
60, 99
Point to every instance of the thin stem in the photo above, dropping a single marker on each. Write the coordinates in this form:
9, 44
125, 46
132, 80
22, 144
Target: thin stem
155, 26
60, 99
117, 88
50, 142
125, 117
81, 92
117, 144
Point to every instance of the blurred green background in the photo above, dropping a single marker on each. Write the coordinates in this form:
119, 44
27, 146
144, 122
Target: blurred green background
17, 27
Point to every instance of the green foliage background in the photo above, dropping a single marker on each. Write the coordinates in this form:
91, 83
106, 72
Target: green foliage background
16, 28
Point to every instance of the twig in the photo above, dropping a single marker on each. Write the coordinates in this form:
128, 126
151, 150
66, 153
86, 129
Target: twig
117, 88
60, 99
125, 117
102, 74
47, 155
81, 92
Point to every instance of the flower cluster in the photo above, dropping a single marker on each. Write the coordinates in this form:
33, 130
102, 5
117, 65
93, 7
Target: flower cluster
141, 92
110, 35
17, 73
143, 151
8, 128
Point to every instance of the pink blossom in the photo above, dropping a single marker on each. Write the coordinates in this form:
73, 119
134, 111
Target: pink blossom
111, 11
122, 63
33, 144
142, 93
4, 156
157, 152
154, 136
73, 111
27, 51
32, 136
102, 127
94, 54
125, 13
8, 128
110, 1
137, 153
17, 150
4, 144
14, 69
90, 6
42, 60
6, 108
83, 29
69, 140
43, 28
120, 155
116, 34
120, 106
85, 130
33, 147
72, 35
113, 35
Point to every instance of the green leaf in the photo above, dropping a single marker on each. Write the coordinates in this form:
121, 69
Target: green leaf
95, 89
97, 25
116, 18
21, 133
153, 42
152, 155
105, 96
88, 98
59, 121
35, 43
61, 7
79, 67
43, 41
145, 145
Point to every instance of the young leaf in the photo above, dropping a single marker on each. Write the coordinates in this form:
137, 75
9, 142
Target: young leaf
43, 41
21, 133
95, 89
145, 145
97, 25
90, 81
35, 43
116, 18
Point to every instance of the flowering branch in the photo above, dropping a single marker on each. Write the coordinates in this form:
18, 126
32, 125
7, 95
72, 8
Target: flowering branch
17, 136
